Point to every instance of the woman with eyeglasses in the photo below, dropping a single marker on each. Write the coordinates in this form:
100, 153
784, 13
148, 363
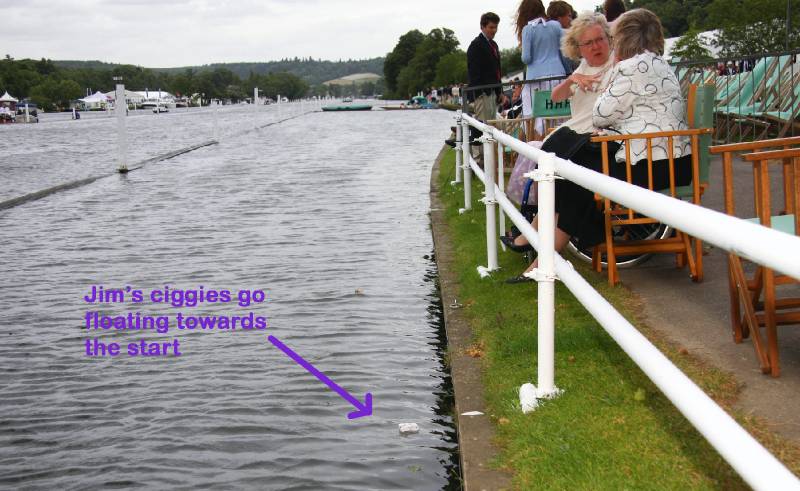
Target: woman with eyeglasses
587, 41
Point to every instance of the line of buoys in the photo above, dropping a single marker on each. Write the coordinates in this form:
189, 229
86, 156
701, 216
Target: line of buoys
4, 205
11, 203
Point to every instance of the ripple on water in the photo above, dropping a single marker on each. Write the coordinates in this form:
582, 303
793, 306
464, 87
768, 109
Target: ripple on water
326, 212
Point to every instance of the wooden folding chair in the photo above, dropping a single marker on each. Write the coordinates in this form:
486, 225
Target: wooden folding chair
618, 217
754, 300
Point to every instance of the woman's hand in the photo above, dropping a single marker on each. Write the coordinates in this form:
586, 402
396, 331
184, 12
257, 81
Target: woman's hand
587, 83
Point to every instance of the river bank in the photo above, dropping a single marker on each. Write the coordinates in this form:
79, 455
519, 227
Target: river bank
612, 428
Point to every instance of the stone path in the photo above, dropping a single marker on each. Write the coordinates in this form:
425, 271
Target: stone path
697, 315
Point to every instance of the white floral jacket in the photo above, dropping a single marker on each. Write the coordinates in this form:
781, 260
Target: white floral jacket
644, 96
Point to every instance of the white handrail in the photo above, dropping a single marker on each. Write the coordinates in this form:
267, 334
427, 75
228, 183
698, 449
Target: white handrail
732, 234
748, 457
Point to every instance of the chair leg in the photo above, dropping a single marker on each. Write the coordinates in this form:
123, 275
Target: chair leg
611, 256
750, 321
770, 323
597, 259
698, 257
687, 246
680, 257
736, 316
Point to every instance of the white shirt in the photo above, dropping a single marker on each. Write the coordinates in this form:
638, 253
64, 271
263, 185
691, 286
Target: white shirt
582, 103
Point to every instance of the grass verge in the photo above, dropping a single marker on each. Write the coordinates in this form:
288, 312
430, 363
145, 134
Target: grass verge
611, 428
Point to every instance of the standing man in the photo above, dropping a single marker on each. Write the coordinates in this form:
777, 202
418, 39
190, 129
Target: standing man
483, 67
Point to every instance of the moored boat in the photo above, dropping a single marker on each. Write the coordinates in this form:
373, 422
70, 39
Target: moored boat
349, 107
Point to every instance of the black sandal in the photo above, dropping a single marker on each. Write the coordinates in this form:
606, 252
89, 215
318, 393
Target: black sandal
509, 242
519, 279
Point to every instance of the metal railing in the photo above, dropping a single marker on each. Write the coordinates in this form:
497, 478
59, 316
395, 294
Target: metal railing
749, 458
757, 95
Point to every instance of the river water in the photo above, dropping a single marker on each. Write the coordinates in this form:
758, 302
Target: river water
326, 213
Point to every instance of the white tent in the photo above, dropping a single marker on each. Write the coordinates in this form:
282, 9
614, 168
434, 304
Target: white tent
96, 97
98, 100
7, 98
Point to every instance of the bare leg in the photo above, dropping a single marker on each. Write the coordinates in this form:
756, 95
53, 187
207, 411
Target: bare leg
561, 240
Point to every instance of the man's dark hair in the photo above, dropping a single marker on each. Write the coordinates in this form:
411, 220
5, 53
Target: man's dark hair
613, 9
489, 18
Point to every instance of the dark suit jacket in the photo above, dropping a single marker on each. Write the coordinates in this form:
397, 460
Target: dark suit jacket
482, 65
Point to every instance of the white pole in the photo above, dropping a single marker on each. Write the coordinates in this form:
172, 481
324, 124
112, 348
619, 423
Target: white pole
501, 183
545, 276
122, 139
216, 122
27, 114
255, 96
489, 201
466, 167
459, 148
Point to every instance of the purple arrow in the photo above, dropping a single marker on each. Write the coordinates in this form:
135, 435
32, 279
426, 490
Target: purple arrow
364, 409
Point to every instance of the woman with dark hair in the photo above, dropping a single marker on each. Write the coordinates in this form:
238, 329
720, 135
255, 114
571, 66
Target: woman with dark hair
613, 9
540, 40
643, 96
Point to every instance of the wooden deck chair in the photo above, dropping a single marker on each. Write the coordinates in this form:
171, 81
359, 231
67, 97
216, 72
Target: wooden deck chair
754, 300
700, 116
553, 113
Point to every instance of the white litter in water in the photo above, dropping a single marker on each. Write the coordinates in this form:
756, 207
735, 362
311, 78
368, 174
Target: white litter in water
484, 271
408, 428
472, 413
527, 398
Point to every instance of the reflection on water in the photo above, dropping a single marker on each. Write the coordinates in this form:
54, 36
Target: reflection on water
311, 210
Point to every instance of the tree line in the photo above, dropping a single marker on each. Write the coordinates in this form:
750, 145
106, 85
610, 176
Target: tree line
744, 27
54, 85
420, 61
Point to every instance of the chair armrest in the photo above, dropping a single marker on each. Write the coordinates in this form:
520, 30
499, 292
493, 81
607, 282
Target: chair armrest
655, 134
739, 147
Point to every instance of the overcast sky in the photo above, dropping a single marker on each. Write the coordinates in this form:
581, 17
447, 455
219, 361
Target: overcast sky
168, 33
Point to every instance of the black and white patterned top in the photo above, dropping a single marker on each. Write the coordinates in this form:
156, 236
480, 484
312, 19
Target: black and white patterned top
644, 96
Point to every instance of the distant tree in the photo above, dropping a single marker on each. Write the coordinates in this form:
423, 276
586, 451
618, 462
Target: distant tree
54, 94
451, 69
511, 60
752, 26
690, 47
400, 57
420, 72
677, 16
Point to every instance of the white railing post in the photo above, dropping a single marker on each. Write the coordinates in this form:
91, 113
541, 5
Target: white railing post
501, 183
459, 148
122, 137
466, 156
545, 277
490, 202
215, 123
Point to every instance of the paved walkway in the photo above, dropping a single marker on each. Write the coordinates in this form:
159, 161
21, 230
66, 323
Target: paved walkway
697, 315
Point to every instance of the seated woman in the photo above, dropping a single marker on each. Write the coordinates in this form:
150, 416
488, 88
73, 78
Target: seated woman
644, 96
587, 41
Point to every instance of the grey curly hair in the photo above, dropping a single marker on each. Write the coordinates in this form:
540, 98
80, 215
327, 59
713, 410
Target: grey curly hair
570, 40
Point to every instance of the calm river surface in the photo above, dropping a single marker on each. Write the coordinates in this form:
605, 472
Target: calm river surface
326, 212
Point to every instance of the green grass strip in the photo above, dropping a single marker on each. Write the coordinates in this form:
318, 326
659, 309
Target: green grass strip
611, 428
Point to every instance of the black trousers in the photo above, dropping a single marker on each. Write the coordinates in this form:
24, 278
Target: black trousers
577, 210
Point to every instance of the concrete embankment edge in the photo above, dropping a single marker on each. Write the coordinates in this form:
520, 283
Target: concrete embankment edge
475, 433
